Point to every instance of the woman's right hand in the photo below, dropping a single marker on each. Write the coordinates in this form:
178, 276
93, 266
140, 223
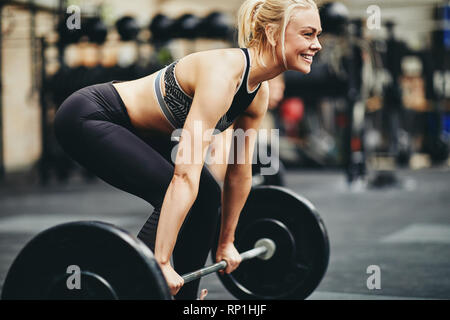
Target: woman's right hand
173, 279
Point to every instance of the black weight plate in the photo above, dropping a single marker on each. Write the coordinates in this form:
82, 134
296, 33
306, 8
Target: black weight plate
284, 255
94, 287
285, 277
113, 264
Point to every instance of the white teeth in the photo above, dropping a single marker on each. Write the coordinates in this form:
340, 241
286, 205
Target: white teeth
307, 57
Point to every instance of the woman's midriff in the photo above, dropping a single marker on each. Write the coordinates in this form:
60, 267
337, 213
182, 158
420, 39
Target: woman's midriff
142, 106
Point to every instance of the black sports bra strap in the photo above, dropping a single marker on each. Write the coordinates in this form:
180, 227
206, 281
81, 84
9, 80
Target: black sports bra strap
247, 68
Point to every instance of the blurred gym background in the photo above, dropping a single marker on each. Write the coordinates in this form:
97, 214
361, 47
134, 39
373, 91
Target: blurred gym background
377, 98
364, 136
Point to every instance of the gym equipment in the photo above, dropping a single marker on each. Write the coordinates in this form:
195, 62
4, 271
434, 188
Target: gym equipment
334, 17
215, 26
92, 27
264, 248
185, 27
161, 27
113, 264
68, 36
301, 258
96, 30
96, 260
128, 28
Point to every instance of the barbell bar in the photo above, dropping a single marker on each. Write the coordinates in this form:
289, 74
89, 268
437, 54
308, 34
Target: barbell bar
264, 248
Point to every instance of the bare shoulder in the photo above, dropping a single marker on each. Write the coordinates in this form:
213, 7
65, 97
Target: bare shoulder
230, 59
213, 77
224, 63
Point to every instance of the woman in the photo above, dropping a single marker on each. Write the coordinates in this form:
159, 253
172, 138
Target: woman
121, 131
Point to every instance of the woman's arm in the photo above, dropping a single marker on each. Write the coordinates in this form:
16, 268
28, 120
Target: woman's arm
238, 177
214, 92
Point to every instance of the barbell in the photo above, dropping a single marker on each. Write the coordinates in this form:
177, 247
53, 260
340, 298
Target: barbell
96, 260
264, 249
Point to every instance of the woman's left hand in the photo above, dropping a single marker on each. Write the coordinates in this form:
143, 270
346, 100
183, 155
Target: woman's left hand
229, 253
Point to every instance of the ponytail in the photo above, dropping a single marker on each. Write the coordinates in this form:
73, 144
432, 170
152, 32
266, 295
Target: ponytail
246, 21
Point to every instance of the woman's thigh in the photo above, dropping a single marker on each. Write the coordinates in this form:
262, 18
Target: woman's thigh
111, 151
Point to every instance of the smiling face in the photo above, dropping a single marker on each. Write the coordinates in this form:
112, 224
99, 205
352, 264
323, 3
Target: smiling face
301, 40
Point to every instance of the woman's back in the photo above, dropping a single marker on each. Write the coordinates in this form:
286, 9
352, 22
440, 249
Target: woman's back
139, 95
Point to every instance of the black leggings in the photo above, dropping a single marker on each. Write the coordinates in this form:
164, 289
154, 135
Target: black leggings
93, 127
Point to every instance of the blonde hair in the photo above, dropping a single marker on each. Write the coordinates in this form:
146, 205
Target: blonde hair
255, 15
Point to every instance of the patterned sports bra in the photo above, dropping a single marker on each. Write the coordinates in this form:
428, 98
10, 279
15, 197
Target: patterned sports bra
176, 103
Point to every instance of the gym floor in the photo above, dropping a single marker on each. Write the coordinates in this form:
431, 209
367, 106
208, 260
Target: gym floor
402, 229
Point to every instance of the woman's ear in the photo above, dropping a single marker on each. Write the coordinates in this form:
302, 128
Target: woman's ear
271, 34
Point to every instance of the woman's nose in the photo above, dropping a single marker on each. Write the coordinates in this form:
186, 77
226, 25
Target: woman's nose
316, 45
